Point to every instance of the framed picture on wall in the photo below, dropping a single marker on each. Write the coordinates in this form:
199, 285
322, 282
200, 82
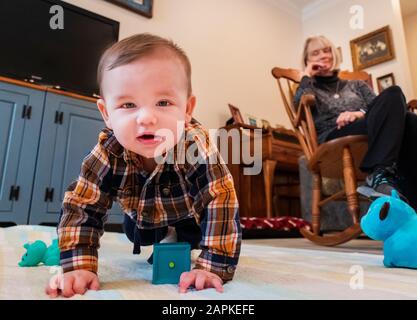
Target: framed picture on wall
372, 49
142, 7
385, 81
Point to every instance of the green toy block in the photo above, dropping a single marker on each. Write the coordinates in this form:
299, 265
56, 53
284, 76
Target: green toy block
170, 260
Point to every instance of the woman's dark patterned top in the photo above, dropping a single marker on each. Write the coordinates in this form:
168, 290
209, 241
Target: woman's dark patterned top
354, 95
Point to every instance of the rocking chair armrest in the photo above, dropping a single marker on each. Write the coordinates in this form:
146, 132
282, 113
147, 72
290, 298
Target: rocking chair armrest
306, 102
304, 123
412, 105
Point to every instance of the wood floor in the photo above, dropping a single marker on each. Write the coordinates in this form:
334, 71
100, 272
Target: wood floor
363, 245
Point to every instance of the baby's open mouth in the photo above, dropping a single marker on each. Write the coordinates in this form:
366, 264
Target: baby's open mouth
149, 138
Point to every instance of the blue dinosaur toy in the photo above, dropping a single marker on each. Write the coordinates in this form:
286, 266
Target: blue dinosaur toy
37, 252
391, 220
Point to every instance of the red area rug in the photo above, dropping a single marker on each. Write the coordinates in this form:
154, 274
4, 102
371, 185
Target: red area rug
279, 227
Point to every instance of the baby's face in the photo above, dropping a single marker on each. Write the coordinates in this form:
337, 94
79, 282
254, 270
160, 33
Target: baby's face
146, 103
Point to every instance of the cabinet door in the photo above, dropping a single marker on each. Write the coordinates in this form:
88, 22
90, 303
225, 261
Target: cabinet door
19, 135
69, 132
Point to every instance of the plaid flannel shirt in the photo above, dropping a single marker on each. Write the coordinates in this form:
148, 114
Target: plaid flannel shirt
172, 192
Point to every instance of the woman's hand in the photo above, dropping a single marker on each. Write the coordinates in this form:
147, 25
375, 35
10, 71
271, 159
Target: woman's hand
314, 68
348, 117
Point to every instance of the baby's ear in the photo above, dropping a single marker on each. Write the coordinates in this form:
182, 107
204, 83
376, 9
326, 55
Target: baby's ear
190, 109
101, 104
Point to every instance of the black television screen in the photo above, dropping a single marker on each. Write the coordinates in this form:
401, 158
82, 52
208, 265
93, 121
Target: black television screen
68, 57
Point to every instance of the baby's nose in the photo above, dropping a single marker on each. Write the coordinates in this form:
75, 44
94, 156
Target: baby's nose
146, 117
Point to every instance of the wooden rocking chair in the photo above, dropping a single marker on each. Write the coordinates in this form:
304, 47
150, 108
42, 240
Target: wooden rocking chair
339, 158
412, 106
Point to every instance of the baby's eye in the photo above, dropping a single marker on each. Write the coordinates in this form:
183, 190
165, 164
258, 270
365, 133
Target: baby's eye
128, 105
163, 103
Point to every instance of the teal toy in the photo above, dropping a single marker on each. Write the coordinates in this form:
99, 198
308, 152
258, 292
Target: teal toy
170, 260
391, 220
37, 252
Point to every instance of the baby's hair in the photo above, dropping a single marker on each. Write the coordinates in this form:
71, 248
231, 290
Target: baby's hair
138, 46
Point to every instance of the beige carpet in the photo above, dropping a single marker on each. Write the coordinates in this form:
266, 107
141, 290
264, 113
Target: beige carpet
268, 269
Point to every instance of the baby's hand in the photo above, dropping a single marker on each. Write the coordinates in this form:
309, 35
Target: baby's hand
201, 279
71, 283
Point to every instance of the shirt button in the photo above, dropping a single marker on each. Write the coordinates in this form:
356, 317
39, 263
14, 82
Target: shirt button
145, 213
166, 191
128, 192
230, 269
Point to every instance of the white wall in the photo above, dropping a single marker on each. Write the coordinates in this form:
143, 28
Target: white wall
232, 45
332, 19
410, 28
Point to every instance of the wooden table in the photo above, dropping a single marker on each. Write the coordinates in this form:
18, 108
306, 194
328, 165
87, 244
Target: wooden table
280, 153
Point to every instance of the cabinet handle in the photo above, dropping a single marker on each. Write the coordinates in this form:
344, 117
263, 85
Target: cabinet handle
14, 193
17, 193
29, 112
24, 111
49, 195
59, 117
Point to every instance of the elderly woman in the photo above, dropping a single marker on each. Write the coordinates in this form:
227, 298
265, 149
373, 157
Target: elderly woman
351, 108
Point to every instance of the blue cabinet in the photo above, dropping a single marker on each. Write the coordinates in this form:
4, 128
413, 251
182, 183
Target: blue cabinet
21, 112
43, 139
69, 132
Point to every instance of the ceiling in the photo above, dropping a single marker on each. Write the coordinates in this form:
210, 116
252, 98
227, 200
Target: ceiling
302, 3
408, 7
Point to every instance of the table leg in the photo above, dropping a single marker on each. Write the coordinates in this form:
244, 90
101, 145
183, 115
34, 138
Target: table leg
269, 169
